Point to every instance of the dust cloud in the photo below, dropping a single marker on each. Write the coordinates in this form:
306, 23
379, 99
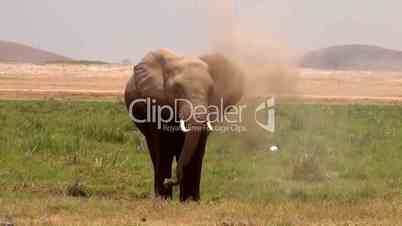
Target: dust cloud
266, 61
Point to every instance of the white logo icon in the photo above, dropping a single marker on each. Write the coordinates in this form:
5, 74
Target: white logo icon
269, 107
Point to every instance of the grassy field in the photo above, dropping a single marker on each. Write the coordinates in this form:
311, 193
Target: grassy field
337, 165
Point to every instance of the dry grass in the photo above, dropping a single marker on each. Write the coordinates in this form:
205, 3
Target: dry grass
69, 211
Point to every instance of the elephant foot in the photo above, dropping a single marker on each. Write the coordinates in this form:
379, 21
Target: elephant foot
170, 182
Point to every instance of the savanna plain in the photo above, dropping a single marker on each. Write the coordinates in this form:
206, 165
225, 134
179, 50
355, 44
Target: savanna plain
67, 160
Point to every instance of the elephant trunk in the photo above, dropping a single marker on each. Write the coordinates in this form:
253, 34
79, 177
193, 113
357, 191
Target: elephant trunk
193, 132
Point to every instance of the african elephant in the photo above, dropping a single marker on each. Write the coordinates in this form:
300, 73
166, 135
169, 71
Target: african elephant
158, 82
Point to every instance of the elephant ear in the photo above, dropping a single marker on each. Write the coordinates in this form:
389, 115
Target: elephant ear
228, 80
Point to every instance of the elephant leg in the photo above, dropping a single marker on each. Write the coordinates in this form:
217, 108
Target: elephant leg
161, 161
168, 145
162, 172
190, 185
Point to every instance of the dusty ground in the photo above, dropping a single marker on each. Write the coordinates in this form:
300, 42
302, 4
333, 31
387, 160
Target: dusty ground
108, 81
352, 86
66, 211
37, 81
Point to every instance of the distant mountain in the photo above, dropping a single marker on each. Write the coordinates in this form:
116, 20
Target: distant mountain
18, 53
353, 57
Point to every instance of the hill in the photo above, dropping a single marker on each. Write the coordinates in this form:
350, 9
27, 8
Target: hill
353, 57
19, 53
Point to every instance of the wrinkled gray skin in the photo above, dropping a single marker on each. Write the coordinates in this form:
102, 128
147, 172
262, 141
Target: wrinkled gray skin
165, 76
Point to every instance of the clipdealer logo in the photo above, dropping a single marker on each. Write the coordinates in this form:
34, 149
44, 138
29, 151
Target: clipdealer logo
230, 116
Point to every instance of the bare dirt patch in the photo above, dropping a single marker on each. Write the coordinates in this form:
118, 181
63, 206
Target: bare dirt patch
24, 81
43, 81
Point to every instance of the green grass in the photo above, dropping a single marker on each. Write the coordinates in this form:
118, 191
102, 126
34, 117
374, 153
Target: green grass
327, 152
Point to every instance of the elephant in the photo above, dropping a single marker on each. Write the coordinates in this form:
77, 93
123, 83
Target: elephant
159, 80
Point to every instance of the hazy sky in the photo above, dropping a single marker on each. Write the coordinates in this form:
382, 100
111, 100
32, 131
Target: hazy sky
114, 30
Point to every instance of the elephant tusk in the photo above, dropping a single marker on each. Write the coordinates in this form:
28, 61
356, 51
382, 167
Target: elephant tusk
210, 126
183, 126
